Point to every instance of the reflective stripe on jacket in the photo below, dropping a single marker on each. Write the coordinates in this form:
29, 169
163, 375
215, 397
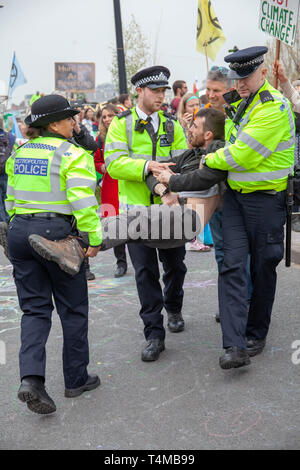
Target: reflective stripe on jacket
49, 174
259, 151
127, 151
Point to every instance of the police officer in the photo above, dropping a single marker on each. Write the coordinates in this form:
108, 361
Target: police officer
139, 140
50, 186
259, 155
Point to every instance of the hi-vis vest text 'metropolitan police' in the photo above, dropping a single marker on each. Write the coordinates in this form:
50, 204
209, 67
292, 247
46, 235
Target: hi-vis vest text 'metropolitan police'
51, 184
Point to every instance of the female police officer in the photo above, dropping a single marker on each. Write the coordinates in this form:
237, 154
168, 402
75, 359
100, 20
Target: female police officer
50, 186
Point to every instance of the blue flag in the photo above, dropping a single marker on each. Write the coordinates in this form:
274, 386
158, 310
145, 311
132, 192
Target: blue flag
17, 76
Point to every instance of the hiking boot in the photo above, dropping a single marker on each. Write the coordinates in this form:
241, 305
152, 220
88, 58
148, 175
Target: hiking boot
3, 238
67, 253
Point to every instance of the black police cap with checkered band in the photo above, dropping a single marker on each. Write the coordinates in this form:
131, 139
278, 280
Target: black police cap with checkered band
152, 77
245, 61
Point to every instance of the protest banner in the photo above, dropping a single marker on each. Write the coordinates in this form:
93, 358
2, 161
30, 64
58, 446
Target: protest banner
75, 76
278, 18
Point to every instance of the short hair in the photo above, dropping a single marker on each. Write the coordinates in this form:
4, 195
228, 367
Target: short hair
123, 98
178, 84
214, 121
218, 76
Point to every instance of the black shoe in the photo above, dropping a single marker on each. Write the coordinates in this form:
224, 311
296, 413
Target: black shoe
92, 382
120, 271
32, 391
217, 318
153, 349
175, 322
89, 275
255, 346
234, 357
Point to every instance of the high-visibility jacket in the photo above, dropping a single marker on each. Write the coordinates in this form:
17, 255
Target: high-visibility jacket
127, 151
259, 150
50, 174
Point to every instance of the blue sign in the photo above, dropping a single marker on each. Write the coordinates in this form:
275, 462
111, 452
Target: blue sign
31, 166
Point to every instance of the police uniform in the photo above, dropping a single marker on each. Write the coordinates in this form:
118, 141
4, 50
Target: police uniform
131, 142
259, 156
50, 185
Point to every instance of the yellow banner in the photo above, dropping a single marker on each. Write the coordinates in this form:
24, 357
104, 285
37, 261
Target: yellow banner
210, 36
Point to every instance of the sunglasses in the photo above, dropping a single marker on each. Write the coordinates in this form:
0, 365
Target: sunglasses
223, 70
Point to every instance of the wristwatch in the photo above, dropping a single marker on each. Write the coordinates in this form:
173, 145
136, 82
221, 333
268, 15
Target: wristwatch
161, 190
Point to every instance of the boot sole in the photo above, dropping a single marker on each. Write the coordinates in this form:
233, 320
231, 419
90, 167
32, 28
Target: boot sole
253, 353
35, 404
177, 330
49, 256
235, 364
81, 390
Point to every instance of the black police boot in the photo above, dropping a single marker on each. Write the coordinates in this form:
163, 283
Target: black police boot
120, 271
92, 382
153, 349
175, 322
255, 346
234, 357
32, 392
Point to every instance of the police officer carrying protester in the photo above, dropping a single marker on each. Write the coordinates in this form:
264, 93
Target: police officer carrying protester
50, 187
138, 141
259, 156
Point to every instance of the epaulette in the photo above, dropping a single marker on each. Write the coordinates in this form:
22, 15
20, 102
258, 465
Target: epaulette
124, 114
170, 116
265, 96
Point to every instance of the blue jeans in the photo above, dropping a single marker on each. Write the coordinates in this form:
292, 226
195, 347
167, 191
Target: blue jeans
4, 217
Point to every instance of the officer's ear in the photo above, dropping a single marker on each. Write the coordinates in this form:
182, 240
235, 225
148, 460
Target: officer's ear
53, 127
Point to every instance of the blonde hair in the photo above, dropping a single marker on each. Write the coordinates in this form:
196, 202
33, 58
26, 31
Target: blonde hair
102, 129
181, 107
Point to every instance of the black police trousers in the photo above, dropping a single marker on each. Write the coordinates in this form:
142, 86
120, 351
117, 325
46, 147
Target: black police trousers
37, 281
252, 224
152, 299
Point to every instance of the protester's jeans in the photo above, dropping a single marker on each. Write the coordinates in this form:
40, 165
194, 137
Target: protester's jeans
4, 217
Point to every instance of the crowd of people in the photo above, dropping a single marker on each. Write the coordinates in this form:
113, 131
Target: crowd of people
228, 152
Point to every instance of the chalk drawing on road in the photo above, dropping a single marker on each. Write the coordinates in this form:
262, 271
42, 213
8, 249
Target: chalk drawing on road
232, 424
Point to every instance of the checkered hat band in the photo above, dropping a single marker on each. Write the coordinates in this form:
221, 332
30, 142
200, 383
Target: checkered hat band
238, 66
152, 79
34, 117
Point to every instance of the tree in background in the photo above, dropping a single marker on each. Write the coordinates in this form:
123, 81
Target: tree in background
136, 52
289, 56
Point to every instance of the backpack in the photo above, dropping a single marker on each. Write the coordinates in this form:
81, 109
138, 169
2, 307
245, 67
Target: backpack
5, 151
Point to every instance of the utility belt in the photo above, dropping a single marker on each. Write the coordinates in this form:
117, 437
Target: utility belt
271, 192
48, 215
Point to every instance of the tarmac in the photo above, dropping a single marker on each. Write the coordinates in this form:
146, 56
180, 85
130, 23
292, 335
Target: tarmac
183, 401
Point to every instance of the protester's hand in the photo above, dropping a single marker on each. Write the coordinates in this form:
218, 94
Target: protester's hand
103, 169
92, 251
279, 71
170, 199
157, 168
164, 176
76, 126
187, 120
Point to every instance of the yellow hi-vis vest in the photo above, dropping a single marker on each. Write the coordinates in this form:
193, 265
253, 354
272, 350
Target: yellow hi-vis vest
127, 151
50, 174
259, 150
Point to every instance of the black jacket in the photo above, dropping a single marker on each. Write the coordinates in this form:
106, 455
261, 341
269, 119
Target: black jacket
189, 177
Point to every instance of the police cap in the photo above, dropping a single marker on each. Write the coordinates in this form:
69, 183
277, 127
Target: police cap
152, 77
244, 62
49, 108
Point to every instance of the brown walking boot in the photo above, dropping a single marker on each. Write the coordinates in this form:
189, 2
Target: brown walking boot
67, 253
3, 238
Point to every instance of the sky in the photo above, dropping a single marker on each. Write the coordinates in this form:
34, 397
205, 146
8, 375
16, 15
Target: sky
46, 31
